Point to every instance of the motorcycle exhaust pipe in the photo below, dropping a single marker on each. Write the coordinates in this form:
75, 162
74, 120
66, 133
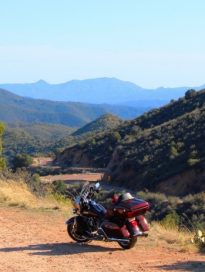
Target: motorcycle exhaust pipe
142, 234
117, 240
126, 240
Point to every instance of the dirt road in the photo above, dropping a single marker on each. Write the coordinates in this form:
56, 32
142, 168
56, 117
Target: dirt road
37, 241
72, 178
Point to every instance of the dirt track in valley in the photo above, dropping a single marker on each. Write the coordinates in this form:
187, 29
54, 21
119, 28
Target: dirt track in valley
37, 241
72, 178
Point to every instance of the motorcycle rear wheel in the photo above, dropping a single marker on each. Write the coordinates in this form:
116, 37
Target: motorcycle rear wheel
130, 244
71, 229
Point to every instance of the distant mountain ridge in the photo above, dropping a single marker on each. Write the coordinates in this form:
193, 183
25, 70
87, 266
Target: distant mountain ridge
14, 108
98, 91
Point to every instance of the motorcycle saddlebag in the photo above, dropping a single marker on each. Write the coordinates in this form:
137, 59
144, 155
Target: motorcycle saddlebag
132, 207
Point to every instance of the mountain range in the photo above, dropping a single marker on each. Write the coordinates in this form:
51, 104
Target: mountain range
14, 108
99, 91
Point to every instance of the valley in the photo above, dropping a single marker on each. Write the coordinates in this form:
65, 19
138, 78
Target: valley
158, 156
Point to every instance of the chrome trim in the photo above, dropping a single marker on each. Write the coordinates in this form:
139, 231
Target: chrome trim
118, 240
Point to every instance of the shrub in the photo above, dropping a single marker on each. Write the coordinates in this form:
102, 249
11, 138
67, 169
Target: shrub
171, 220
2, 163
36, 186
190, 93
2, 159
199, 239
116, 136
59, 187
192, 162
22, 160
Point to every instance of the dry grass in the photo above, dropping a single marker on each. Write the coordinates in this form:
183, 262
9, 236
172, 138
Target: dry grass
17, 194
170, 238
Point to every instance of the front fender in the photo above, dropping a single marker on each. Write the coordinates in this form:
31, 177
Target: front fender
71, 220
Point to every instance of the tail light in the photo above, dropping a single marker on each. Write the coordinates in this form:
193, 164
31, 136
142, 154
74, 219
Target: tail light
115, 198
133, 222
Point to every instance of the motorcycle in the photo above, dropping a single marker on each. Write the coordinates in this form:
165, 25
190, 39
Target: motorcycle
123, 222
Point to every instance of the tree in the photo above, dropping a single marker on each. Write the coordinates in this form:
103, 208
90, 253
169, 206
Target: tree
2, 159
22, 160
190, 93
173, 150
116, 136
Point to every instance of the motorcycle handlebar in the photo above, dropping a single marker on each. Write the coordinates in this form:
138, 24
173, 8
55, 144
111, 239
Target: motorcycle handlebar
88, 190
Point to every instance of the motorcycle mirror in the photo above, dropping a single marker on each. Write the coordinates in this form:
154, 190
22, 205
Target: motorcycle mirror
97, 185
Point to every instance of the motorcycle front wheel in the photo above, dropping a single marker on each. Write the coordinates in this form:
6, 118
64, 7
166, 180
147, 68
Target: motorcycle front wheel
71, 229
130, 244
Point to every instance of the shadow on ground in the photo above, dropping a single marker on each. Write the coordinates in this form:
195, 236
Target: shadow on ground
189, 266
56, 249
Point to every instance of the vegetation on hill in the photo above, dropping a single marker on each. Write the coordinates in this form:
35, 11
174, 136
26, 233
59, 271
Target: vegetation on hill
32, 139
21, 189
2, 159
103, 123
22, 160
153, 150
162, 152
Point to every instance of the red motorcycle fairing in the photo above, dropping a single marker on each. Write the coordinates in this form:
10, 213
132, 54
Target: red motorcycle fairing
113, 230
130, 208
128, 229
131, 212
142, 222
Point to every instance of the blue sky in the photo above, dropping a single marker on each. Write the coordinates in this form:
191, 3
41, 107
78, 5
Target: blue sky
151, 42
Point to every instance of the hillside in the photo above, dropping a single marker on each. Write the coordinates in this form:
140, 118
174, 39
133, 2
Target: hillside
103, 123
32, 138
15, 108
161, 150
99, 91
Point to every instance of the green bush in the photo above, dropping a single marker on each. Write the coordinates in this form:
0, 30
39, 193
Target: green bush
59, 187
171, 220
192, 162
36, 186
2, 159
199, 239
190, 93
22, 160
2, 163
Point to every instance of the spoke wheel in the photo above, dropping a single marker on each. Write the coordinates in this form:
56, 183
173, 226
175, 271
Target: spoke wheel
71, 229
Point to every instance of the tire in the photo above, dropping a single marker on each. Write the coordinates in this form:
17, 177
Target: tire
130, 244
71, 229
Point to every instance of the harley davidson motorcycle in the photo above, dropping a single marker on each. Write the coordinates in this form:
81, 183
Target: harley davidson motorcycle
123, 222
